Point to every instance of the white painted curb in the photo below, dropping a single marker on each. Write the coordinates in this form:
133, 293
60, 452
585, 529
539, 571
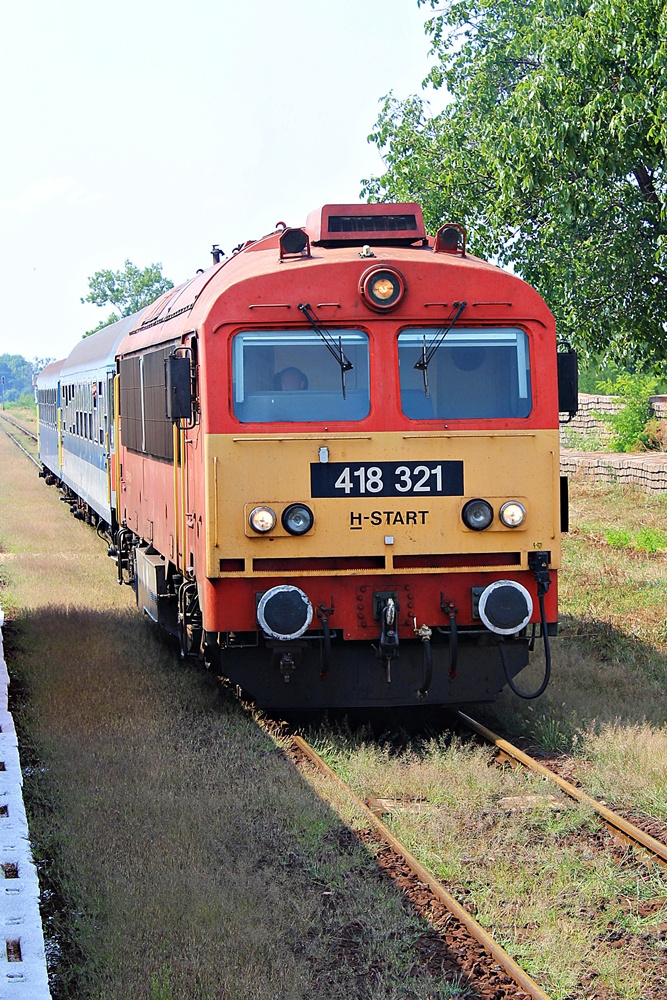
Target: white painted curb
22, 959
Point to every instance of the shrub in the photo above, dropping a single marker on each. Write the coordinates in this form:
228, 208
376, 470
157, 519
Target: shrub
629, 424
26, 398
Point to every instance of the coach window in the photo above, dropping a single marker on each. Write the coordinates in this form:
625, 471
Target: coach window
475, 374
291, 376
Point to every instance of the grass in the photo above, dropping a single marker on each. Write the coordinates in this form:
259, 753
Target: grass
606, 701
650, 540
180, 852
24, 415
618, 538
610, 661
627, 763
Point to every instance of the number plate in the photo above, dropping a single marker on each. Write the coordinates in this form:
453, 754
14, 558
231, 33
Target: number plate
386, 479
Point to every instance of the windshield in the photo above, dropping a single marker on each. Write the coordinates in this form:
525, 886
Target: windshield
474, 374
283, 375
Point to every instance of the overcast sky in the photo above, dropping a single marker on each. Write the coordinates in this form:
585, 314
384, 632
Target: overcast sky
150, 131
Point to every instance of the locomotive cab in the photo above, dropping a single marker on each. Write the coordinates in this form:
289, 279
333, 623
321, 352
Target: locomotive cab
337, 470
418, 443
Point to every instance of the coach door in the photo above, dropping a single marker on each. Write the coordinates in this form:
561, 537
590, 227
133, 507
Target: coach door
106, 413
182, 410
191, 456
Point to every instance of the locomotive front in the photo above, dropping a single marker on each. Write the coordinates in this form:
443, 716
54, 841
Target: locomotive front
381, 466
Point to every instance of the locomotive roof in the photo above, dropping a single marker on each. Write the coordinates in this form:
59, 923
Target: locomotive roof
169, 316
187, 307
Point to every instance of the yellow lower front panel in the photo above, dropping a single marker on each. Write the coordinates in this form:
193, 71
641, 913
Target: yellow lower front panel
382, 502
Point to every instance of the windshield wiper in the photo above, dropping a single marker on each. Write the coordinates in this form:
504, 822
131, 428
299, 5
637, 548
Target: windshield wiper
329, 342
428, 352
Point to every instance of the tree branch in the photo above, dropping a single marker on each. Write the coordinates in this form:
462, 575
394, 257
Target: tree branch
645, 182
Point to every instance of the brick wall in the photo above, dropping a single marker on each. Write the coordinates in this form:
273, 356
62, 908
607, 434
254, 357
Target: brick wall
659, 404
588, 422
648, 472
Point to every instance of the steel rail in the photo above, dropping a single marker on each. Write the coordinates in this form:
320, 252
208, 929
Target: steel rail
628, 831
514, 971
19, 445
18, 426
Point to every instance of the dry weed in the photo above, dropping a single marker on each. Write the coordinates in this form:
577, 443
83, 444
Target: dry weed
626, 764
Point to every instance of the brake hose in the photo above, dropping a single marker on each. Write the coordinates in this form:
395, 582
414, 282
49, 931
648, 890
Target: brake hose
427, 667
547, 659
326, 648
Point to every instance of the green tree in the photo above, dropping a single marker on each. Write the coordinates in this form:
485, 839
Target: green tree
17, 374
126, 291
551, 152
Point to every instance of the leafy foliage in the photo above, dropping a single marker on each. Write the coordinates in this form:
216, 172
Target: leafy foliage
17, 373
629, 424
551, 152
126, 291
598, 368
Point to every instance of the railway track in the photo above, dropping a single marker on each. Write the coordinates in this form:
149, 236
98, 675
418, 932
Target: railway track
19, 427
418, 883
621, 828
18, 443
423, 879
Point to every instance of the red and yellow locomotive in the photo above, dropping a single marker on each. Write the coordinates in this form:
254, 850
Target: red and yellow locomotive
352, 495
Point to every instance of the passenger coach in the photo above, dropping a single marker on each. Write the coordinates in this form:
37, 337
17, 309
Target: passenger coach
333, 467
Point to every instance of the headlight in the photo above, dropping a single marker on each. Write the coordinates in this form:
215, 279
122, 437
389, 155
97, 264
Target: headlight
262, 519
297, 519
477, 514
382, 288
512, 514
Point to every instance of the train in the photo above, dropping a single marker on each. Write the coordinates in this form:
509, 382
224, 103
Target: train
328, 463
